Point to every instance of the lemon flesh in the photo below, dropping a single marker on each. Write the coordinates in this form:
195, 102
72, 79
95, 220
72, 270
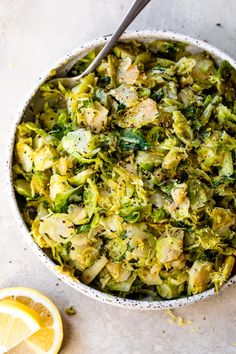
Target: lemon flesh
17, 323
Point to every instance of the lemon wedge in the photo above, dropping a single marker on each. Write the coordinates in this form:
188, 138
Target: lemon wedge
17, 323
48, 336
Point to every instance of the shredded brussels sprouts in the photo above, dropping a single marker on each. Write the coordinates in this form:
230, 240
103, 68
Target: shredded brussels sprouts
127, 181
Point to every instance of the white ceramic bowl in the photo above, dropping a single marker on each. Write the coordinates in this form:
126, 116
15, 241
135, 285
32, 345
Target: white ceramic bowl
147, 35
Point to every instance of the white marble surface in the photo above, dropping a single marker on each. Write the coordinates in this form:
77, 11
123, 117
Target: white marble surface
33, 35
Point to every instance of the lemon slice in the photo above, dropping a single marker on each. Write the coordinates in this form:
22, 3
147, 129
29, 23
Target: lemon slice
47, 339
17, 323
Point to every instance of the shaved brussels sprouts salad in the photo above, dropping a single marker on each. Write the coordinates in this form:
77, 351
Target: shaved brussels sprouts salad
127, 181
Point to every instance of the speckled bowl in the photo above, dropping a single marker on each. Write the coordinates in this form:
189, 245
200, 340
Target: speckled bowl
146, 35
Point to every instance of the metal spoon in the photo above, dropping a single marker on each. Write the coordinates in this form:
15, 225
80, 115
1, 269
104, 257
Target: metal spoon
133, 12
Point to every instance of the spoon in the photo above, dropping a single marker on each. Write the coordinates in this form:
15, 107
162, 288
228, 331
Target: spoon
133, 12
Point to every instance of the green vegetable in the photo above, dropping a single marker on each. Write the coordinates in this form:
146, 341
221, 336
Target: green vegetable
182, 128
170, 291
132, 139
159, 215
44, 158
70, 311
79, 143
124, 286
221, 275
61, 199
81, 177
58, 227
143, 113
89, 274
199, 276
158, 95
23, 188
226, 71
148, 160
170, 246
91, 198
117, 248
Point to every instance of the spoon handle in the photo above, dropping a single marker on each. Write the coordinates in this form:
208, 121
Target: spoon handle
133, 12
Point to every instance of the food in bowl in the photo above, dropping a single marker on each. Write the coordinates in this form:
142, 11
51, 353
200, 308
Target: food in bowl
127, 180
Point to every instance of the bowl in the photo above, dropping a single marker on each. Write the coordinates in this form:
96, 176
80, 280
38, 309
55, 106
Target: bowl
145, 36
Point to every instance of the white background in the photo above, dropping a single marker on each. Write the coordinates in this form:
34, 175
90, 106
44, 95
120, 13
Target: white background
33, 35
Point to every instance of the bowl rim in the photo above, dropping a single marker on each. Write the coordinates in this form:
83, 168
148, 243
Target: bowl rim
75, 54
